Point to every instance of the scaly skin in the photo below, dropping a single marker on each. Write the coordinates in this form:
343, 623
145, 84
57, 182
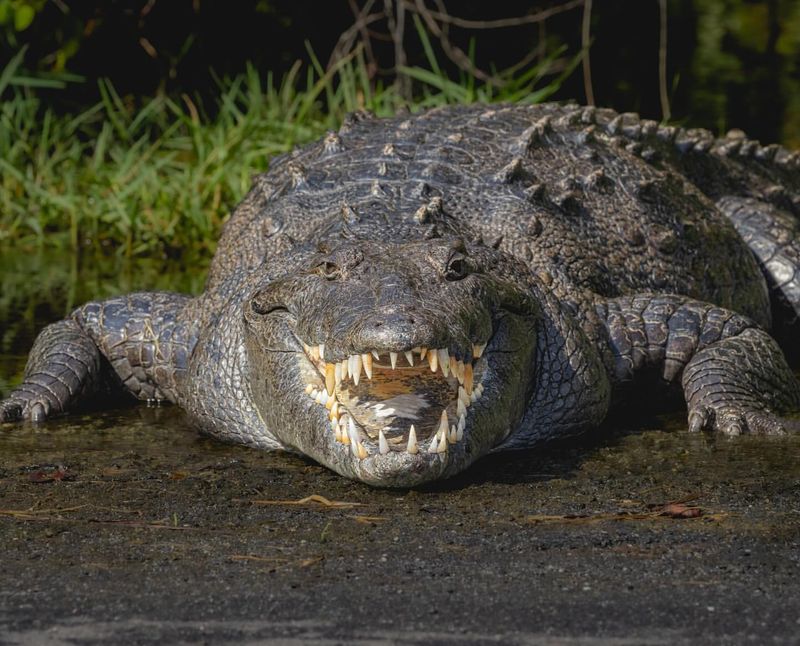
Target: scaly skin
550, 258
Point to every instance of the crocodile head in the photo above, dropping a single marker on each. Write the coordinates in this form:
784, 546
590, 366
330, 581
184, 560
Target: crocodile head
394, 364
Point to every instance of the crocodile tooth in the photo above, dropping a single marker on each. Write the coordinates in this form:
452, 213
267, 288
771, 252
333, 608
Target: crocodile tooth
337, 374
460, 372
411, 447
453, 366
444, 360
393, 359
433, 358
477, 350
460, 408
376, 355
442, 441
383, 445
321, 351
336, 432
452, 435
468, 376
462, 423
343, 430
334, 409
409, 357
314, 352
322, 397
356, 370
330, 402
443, 423
352, 432
366, 361
330, 377
362, 452
422, 352
434, 446
313, 393
463, 396
345, 369
309, 388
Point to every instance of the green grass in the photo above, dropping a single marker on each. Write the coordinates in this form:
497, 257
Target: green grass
162, 176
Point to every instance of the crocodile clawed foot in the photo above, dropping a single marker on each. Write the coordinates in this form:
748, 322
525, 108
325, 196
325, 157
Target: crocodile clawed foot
733, 420
24, 407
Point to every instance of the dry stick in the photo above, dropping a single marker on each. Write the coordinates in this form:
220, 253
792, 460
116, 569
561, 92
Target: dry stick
346, 42
316, 499
360, 23
587, 69
394, 12
539, 17
459, 57
453, 53
541, 46
397, 27
662, 62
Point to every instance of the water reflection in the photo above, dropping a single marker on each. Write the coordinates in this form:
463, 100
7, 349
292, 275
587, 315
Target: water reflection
44, 286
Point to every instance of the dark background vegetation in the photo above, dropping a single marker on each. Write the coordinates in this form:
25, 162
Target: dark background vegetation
134, 127
728, 62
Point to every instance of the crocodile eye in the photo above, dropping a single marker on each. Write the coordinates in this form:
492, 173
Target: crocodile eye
456, 267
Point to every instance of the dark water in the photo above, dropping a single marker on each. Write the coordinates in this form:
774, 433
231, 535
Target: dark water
39, 287
128, 526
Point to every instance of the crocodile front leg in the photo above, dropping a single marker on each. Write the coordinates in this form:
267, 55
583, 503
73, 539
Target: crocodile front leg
734, 377
137, 343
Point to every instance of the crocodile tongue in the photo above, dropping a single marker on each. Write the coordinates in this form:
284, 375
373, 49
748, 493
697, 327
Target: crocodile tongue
407, 401
396, 398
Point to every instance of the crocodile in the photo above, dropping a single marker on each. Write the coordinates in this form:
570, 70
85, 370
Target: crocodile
408, 294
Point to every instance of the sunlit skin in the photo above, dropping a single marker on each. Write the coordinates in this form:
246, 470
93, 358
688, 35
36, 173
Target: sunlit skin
407, 295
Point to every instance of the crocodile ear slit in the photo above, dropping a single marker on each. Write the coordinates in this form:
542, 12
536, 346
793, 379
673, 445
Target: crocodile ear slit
263, 309
263, 303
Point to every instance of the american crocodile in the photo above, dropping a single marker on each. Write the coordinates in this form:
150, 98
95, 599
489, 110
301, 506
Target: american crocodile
409, 294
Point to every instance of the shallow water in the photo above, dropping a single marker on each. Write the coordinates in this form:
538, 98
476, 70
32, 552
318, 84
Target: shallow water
127, 525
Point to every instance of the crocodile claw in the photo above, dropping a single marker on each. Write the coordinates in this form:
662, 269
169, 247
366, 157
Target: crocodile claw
10, 411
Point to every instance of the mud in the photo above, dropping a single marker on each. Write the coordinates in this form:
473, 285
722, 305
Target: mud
128, 527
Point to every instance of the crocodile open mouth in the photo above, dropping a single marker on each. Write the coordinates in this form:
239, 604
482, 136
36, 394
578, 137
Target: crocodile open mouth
411, 401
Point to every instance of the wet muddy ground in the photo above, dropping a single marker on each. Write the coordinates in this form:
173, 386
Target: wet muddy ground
128, 527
